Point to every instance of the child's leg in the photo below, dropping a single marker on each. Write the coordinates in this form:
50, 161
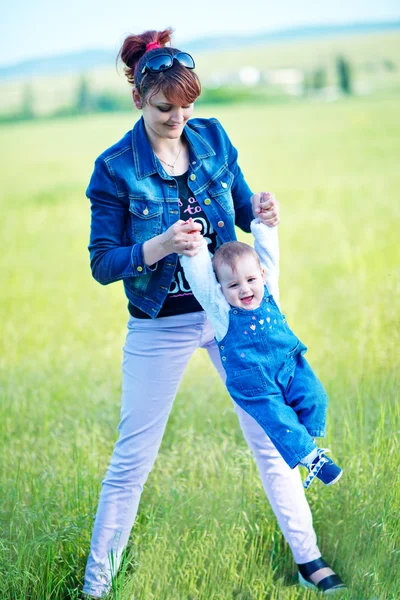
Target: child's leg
282, 485
264, 401
305, 394
282, 425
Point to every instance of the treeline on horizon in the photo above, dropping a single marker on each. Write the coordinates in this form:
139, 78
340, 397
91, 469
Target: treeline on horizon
89, 101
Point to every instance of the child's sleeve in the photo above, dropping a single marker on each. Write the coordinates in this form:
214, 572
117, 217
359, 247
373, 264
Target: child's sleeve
200, 275
266, 244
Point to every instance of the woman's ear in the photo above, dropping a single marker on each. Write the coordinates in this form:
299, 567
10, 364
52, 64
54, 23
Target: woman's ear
137, 99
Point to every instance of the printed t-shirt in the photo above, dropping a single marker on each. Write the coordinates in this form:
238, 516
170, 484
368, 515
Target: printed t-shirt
180, 299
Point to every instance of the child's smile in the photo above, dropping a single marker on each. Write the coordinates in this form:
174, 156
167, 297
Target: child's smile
244, 286
247, 299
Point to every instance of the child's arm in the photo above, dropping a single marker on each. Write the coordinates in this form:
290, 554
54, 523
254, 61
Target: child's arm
200, 275
266, 244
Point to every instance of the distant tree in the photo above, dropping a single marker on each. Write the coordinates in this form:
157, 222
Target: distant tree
27, 110
389, 64
344, 74
84, 96
106, 101
307, 83
103, 101
319, 78
229, 94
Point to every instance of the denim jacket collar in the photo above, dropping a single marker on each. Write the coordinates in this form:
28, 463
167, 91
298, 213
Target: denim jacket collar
144, 157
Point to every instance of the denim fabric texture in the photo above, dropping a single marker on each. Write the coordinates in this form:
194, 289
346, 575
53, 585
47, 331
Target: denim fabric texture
270, 379
133, 199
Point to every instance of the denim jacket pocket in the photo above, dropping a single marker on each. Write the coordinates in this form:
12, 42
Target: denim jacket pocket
220, 189
146, 218
247, 382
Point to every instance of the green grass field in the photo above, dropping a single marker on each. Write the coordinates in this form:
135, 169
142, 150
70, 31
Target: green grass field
205, 530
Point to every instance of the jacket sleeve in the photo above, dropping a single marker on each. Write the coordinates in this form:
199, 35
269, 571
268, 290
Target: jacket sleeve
266, 244
200, 275
110, 258
241, 192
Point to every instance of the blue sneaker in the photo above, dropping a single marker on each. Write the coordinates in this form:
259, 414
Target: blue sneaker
324, 469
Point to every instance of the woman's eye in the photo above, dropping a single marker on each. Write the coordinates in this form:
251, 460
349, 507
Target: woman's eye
163, 109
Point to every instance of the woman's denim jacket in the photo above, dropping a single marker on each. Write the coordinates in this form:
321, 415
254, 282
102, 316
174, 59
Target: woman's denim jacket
133, 199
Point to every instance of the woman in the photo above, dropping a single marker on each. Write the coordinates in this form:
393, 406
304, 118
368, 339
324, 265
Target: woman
142, 191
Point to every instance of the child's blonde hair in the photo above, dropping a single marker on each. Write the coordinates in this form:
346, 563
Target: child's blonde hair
230, 253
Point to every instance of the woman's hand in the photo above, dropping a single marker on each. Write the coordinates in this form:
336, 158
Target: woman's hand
183, 237
265, 207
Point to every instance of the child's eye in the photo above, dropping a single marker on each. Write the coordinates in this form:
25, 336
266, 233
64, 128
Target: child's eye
251, 279
233, 285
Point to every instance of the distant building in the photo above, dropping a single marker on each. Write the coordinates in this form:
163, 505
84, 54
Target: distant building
249, 76
291, 80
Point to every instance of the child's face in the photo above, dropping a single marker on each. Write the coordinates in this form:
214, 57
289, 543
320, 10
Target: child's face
244, 286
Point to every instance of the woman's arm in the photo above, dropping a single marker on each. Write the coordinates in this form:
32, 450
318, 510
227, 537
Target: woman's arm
181, 237
111, 258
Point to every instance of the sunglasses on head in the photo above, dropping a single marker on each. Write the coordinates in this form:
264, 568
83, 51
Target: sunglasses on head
163, 62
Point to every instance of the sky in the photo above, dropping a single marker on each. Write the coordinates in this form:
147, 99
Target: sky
37, 28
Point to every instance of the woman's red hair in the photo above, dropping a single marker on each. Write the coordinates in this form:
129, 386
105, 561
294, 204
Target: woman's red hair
179, 85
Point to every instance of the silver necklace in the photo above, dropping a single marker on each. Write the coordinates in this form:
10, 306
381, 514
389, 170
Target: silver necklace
171, 166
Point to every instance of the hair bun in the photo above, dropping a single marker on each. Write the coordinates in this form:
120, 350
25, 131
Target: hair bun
134, 47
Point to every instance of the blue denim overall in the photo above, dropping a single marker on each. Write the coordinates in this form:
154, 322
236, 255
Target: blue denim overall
270, 379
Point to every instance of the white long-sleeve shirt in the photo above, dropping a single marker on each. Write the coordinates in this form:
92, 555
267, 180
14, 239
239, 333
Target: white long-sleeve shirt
200, 275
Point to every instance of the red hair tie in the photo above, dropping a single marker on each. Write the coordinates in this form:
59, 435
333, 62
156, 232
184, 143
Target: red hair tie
152, 46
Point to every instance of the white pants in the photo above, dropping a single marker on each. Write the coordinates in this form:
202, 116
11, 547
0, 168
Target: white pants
155, 356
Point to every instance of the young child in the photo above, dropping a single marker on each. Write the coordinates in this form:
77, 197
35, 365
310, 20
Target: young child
267, 374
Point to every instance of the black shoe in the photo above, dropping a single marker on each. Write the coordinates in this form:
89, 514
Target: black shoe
329, 585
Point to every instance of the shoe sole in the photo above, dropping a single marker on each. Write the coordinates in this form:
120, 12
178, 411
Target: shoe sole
336, 479
304, 583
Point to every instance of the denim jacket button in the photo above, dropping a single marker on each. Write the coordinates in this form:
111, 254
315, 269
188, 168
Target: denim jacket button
140, 269
221, 223
146, 211
192, 177
235, 312
224, 358
224, 185
207, 201
222, 347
